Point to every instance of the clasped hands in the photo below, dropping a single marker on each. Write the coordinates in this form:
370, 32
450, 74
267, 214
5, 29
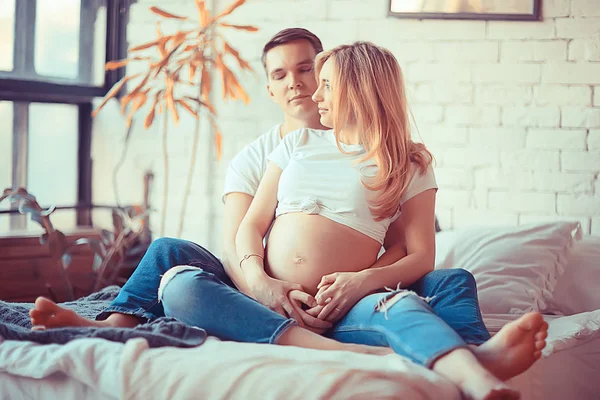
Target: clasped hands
337, 294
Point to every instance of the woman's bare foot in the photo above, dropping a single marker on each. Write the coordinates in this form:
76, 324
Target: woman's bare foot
48, 314
515, 348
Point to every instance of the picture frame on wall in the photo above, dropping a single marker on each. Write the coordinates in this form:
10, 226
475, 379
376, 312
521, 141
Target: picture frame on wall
502, 10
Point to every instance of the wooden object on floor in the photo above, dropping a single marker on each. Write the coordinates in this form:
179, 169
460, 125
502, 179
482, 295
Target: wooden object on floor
27, 270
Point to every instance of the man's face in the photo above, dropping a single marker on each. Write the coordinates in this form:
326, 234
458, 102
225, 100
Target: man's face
291, 78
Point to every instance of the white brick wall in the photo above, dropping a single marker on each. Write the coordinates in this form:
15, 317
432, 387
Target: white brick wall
511, 110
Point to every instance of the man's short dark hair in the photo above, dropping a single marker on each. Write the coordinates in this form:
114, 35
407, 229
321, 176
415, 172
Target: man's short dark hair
290, 35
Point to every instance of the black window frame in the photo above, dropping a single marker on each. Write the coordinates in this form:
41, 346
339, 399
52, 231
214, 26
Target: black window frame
22, 92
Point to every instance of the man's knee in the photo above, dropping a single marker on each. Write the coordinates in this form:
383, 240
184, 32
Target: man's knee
458, 276
164, 244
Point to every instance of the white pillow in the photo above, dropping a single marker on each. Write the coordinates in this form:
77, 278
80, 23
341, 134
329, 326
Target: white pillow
578, 289
516, 268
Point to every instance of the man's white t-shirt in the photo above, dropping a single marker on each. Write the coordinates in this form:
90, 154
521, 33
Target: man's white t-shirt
249, 165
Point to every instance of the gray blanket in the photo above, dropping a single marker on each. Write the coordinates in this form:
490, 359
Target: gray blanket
16, 325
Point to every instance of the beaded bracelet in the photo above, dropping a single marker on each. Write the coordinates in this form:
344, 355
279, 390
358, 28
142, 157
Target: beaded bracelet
247, 256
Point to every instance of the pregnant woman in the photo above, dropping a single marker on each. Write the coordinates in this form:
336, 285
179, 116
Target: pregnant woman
334, 195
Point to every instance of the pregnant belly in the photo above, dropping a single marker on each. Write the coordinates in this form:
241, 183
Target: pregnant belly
302, 248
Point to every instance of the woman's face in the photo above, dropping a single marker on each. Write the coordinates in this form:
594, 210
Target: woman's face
323, 94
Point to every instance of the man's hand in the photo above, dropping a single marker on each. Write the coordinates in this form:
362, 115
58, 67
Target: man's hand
273, 293
311, 322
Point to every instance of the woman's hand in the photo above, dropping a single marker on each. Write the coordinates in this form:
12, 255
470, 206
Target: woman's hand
338, 293
311, 322
273, 293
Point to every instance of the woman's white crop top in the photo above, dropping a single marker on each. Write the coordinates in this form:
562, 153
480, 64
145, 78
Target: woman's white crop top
319, 179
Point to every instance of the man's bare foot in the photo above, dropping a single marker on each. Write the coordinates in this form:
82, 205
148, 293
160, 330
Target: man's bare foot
48, 314
515, 348
475, 382
479, 389
482, 388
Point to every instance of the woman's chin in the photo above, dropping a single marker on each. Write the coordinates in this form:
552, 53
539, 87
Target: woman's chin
326, 122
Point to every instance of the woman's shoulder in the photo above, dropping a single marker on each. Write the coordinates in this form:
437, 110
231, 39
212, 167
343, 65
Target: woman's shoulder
420, 180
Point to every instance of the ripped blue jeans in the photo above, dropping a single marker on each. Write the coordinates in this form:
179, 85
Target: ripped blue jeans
400, 319
453, 293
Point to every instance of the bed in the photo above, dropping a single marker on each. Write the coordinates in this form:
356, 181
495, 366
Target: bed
99, 369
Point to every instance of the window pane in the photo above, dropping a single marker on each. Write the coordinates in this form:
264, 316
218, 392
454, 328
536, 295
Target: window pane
69, 44
7, 34
57, 24
6, 138
52, 157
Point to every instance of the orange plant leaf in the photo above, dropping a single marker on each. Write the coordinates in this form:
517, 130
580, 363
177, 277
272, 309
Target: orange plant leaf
165, 14
248, 28
219, 144
242, 63
162, 45
121, 63
113, 92
230, 9
140, 101
203, 14
144, 46
150, 117
188, 108
116, 64
241, 93
192, 71
204, 103
170, 99
205, 89
128, 97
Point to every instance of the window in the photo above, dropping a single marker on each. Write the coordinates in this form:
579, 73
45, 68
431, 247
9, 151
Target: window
52, 56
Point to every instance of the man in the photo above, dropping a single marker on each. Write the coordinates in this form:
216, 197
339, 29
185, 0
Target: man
288, 61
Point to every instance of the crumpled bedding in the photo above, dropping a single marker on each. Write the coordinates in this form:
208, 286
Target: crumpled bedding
219, 370
15, 325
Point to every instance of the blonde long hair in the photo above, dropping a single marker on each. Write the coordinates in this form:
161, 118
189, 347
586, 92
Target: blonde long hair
368, 92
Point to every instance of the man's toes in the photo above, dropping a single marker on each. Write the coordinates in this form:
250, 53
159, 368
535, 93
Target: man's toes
531, 321
541, 335
540, 345
537, 354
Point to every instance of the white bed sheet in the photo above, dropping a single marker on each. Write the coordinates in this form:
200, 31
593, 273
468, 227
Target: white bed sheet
215, 370
98, 369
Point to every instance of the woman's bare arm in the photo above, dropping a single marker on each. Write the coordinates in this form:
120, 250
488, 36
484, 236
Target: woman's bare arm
256, 222
236, 207
412, 254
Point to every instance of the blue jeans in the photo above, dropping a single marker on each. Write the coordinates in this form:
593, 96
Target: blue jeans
454, 291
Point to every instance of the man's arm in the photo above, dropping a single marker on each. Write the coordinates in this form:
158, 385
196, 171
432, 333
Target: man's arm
409, 244
236, 207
